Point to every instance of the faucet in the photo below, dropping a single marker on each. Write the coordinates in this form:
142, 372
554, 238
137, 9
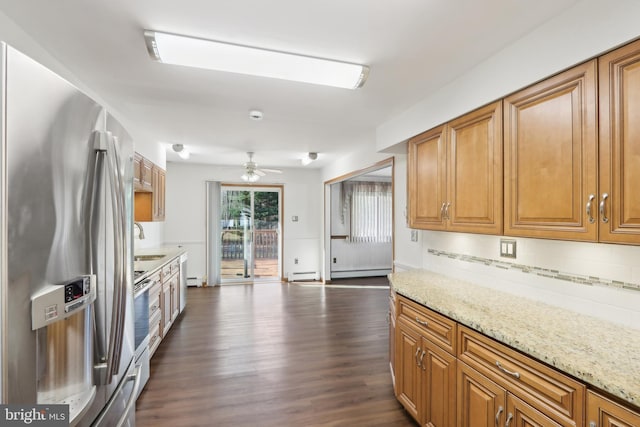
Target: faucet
141, 234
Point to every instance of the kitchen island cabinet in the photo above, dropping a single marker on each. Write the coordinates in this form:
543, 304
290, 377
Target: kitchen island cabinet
533, 364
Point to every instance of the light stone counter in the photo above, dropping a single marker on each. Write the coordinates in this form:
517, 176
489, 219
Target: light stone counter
164, 255
597, 352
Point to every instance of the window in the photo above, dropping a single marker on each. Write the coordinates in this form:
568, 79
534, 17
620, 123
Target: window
369, 207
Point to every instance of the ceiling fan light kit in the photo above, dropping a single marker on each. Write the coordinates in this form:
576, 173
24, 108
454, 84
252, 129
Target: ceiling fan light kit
220, 56
252, 173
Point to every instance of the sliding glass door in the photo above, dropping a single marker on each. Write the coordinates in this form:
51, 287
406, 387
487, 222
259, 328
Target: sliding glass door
250, 233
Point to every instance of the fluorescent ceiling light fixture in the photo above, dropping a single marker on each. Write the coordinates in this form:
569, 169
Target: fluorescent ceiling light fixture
234, 58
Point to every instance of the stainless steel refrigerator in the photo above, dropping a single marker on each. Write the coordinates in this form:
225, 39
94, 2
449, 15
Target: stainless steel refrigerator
66, 187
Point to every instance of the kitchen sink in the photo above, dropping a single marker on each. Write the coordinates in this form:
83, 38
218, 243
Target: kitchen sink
148, 257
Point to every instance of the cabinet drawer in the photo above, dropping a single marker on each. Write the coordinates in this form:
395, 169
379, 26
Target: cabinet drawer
524, 376
154, 339
433, 326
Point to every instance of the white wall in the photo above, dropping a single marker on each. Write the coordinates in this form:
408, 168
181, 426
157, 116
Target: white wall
583, 31
186, 220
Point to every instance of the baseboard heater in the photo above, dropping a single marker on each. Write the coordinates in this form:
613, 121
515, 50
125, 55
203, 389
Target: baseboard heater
304, 275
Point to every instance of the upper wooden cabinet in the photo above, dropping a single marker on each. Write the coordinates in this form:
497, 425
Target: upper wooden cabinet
142, 173
455, 174
550, 159
149, 185
619, 215
158, 184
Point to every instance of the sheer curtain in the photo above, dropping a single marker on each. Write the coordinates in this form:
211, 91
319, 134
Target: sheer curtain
369, 207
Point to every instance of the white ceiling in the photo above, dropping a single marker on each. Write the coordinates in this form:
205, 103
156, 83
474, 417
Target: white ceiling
412, 46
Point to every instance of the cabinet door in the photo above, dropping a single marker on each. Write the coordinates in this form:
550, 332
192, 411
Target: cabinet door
550, 142
166, 307
146, 168
475, 171
602, 412
137, 171
620, 145
440, 386
520, 413
158, 181
481, 402
408, 370
392, 341
175, 296
426, 180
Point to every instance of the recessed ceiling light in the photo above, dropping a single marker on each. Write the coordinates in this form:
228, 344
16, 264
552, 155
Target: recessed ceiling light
220, 56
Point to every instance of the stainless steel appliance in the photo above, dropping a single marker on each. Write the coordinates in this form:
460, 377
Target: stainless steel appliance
141, 309
66, 249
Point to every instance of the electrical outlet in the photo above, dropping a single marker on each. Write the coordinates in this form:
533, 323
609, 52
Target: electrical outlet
507, 248
295, 260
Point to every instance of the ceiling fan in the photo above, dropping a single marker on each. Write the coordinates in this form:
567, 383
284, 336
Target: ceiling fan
252, 173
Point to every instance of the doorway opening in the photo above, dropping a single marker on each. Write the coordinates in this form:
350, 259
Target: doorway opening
359, 224
250, 233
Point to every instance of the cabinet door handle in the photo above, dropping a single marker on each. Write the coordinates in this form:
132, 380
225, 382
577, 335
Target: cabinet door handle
506, 371
593, 424
589, 215
446, 211
421, 322
417, 353
422, 357
509, 418
442, 215
602, 213
500, 409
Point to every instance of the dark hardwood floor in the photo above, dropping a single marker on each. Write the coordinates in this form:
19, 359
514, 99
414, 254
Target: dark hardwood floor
274, 355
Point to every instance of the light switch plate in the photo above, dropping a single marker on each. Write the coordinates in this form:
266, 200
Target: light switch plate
507, 248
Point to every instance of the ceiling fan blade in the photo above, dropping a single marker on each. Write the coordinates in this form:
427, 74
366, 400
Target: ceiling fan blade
259, 172
271, 170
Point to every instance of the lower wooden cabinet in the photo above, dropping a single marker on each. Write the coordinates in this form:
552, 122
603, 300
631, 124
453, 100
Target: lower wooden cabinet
603, 412
425, 377
392, 338
447, 374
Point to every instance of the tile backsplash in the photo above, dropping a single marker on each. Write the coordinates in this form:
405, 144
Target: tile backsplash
597, 279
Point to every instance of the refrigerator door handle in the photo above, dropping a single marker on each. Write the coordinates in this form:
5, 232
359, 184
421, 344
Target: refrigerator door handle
132, 400
120, 257
107, 158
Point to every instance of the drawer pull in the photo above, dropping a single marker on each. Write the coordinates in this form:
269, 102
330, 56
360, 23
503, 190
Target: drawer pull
593, 424
421, 322
500, 409
422, 357
417, 353
506, 371
509, 418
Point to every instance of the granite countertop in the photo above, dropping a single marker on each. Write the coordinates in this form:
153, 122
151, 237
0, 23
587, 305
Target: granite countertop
600, 353
162, 255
